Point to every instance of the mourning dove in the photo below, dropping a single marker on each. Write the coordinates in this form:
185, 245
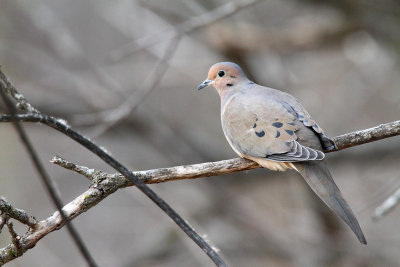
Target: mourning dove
272, 128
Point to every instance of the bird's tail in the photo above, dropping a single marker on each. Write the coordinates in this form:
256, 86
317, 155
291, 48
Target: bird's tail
317, 176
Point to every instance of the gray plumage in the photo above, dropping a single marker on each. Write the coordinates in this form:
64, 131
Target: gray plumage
272, 128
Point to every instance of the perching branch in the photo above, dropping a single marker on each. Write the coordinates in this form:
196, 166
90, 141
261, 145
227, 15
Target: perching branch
368, 135
214, 168
103, 184
225, 166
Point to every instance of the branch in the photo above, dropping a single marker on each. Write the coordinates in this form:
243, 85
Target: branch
104, 184
16, 214
186, 27
45, 178
387, 206
52, 223
111, 117
163, 174
212, 168
22, 104
225, 166
61, 126
368, 135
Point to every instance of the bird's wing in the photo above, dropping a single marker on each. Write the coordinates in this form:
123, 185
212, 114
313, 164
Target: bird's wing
303, 116
261, 125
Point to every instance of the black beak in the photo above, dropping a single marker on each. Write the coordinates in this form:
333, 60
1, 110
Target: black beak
204, 84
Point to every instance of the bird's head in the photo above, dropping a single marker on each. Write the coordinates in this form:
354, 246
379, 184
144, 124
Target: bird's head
223, 76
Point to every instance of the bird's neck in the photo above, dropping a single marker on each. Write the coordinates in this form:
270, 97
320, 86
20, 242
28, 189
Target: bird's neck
226, 96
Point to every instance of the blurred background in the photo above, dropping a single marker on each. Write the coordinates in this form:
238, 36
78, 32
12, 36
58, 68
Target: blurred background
124, 73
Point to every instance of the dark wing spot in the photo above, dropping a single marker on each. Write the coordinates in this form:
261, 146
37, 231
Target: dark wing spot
260, 134
276, 119
233, 76
256, 119
229, 84
255, 125
277, 124
291, 123
277, 134
289, 132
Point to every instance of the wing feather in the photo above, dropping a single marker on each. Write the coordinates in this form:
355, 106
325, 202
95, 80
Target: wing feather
263, 126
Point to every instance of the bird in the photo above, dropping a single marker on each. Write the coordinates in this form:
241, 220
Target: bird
272, 128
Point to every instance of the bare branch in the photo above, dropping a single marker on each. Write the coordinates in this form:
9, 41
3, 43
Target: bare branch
387, 206
104, 184
15, 239
225, 166
368, 135
16, 214
3, 221
20, 99
112, 117
43, 175
184, 28
164, 174
71, 210
105, 156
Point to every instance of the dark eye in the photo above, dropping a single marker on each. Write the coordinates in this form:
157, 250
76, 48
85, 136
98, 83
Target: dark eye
221, 73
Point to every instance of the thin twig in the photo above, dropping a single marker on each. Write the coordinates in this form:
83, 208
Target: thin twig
45, 178
387, 206
3, 221
104, 155
111, 117
16, 214
22, 104
15, 239
186, 27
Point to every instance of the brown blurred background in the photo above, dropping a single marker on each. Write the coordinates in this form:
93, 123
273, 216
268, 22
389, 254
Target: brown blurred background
82, 60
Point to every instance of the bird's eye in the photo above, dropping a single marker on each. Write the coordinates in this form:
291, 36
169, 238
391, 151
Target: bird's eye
221, 73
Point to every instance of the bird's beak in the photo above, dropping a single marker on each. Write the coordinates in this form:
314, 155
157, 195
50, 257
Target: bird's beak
204, 84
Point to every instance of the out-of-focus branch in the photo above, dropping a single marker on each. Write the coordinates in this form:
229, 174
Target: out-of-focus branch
184, 28
111, 117
387, 206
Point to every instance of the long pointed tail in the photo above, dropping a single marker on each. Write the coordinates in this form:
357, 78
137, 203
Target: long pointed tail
317, 176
